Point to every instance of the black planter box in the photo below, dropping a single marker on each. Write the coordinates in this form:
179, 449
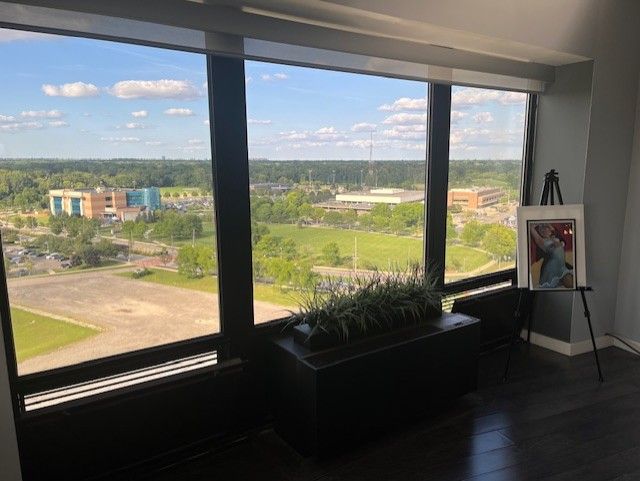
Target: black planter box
325, 400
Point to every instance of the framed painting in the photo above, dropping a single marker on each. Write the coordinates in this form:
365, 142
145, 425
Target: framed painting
551, 248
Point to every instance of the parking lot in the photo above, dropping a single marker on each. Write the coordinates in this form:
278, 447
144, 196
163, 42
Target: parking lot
24, 261
131, 314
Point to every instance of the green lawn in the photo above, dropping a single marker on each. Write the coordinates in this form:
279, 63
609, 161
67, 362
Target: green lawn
179, 189
35, 334
374, 249
261, 292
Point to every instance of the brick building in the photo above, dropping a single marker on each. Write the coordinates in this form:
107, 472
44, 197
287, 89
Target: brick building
475, 197
121, 204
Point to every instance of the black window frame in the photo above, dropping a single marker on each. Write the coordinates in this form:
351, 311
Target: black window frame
229, 149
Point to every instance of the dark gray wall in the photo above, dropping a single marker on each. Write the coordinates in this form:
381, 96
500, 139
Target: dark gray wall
627, 322
586, 127
561, 144
606, 177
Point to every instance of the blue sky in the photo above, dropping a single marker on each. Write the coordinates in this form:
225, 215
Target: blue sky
82, 98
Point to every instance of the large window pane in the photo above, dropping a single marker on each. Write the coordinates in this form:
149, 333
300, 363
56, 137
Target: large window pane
486, 155
337, 172
105, 197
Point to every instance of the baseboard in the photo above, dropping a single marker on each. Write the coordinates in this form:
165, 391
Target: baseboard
567, 348
621, 345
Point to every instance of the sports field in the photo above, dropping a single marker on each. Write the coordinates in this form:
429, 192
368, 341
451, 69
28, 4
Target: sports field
374, 249
35, 334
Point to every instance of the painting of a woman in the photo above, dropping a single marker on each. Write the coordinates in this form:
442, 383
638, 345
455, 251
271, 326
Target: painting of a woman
551, 262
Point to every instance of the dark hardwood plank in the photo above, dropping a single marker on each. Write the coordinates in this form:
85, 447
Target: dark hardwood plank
553, 420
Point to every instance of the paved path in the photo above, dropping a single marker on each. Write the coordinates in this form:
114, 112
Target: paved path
131, 314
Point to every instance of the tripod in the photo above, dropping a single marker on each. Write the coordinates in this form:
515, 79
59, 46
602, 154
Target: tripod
550, 190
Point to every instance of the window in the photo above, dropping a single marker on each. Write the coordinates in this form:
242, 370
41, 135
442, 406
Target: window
486, 156
337, 178
106, 201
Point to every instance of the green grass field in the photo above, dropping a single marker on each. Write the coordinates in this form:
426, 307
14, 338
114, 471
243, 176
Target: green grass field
179, 189
35, 334
374, 249
261, 292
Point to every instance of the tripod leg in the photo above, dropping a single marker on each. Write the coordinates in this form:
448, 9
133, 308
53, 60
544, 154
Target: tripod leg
587, 314
530, 320
514, 334
545, 193
560, 201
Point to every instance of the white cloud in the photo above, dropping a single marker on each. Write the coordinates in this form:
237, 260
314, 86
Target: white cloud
363, 127
405, 103
383, 144
18, 126
41, 114
133, 125
140, 114
205, 122
258, 122
457, 115
195, 141
75, 89
327, 133
154, 89
192, 148
326, 130
294, 135
7, 118
121, 140
276, 76
483, 117
467, 97
404, 118
179, 112
154, 143
324, 134
247, 80
406, 132
10, 35
513, 98
58, 123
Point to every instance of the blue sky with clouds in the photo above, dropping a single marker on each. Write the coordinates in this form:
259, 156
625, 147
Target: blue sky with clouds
83, 98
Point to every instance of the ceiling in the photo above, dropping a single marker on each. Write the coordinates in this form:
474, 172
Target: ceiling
550, 32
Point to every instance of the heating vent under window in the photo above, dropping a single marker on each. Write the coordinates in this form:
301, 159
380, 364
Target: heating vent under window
112, 383
449, 300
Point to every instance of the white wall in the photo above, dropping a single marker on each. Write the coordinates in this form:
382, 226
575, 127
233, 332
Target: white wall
9, 460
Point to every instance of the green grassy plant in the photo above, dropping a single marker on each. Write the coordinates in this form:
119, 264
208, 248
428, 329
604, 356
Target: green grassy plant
369, 303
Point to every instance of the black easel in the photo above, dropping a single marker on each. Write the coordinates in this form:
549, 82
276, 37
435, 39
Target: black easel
549, 191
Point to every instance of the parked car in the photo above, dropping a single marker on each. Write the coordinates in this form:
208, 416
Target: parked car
65, 264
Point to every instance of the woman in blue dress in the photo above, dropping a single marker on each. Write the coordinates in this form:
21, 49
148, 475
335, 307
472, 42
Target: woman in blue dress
554, 272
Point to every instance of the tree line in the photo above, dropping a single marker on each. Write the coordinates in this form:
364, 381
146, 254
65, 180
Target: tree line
24, 183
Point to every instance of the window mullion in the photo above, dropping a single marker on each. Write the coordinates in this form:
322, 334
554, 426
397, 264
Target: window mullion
227, 106
437, 177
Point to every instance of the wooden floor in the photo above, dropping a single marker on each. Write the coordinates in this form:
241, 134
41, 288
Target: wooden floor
553, 420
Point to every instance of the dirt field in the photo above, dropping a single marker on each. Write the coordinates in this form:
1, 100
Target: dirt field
131, 314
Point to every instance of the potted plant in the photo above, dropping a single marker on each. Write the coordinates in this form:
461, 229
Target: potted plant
365, 354
337, 312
